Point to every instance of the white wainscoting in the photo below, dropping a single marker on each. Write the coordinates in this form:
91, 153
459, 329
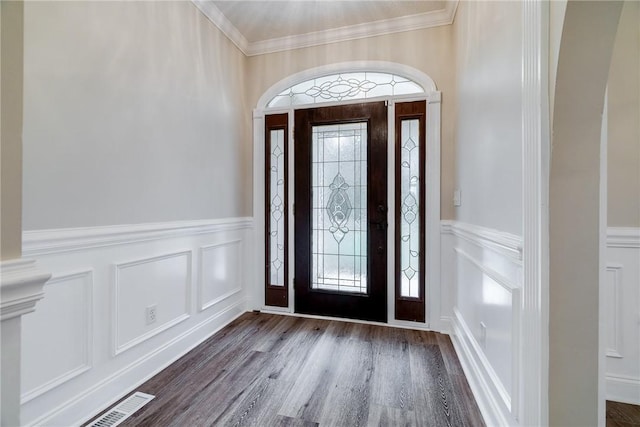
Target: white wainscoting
623, 315
481, 282
484, 280
89, 341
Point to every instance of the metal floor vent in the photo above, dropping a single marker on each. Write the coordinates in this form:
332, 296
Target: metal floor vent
122, 411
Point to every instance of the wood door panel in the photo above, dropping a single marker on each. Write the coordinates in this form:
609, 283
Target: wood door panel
372, 305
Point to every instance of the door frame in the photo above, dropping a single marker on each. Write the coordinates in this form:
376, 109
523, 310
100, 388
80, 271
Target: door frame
434, 291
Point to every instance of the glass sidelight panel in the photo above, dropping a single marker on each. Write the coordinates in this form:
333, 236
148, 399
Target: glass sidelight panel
276, 222
410, 208
339, 207
276, 217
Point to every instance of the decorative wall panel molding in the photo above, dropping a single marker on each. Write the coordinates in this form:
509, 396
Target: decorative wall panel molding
614, 310
486, 285
163, 282
480, 375
501, 264
64, 336
623, 389
622, 315
219, 276
103, 303
489, 272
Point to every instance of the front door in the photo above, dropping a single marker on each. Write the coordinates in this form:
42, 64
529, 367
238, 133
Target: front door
340, 211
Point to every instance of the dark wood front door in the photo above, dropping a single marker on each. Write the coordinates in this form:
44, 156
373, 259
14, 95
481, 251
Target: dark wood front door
341, 211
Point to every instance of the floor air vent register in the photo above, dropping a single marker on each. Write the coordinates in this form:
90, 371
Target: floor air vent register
122, 411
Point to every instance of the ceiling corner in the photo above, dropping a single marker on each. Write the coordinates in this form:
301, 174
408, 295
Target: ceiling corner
218, 19
451, 8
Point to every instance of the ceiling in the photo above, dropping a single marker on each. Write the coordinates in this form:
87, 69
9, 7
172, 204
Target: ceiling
262, 26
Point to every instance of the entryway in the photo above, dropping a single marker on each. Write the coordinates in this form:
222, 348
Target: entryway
349, 163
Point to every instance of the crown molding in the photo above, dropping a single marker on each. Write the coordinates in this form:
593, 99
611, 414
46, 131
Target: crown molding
218, 19
370, 29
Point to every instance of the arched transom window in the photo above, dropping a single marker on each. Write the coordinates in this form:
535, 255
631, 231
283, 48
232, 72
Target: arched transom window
345, 86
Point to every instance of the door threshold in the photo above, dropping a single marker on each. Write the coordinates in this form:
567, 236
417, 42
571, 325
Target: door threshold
390, 324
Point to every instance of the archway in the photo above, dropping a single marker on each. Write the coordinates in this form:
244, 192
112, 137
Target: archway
575, 215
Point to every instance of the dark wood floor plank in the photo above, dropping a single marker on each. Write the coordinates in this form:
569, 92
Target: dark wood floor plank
349, 395
264, 370
183, 384
384, 416
275, 337
283, 421
623, 412
464, 399
451, 361
214, 400
392, 383
258, 406
308, 395
434, 396
295, 351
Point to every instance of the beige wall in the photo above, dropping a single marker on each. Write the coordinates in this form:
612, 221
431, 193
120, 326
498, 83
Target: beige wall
623, 171
428, 50
488, 52
133, 112
11, 129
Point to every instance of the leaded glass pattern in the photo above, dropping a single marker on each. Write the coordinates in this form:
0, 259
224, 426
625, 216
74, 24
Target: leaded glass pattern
339, 207
345, 86
277, 208
410, 209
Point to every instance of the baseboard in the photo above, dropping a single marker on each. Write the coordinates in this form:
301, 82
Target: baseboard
623, 389
480, 375
446, 325
83, 407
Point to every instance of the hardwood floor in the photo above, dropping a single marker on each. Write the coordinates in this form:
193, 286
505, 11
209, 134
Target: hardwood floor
264, 370
622, 415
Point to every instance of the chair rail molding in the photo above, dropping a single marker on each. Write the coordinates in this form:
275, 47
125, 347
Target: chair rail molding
47, 242
623, 237
502, 242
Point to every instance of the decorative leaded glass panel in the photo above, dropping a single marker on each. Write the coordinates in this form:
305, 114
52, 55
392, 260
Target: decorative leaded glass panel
339, 207
277, 209
410, 208
345, 86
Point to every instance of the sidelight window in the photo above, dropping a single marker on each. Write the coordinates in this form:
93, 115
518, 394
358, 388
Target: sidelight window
410, 211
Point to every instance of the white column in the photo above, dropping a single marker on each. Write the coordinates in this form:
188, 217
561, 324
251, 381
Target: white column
20, 288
